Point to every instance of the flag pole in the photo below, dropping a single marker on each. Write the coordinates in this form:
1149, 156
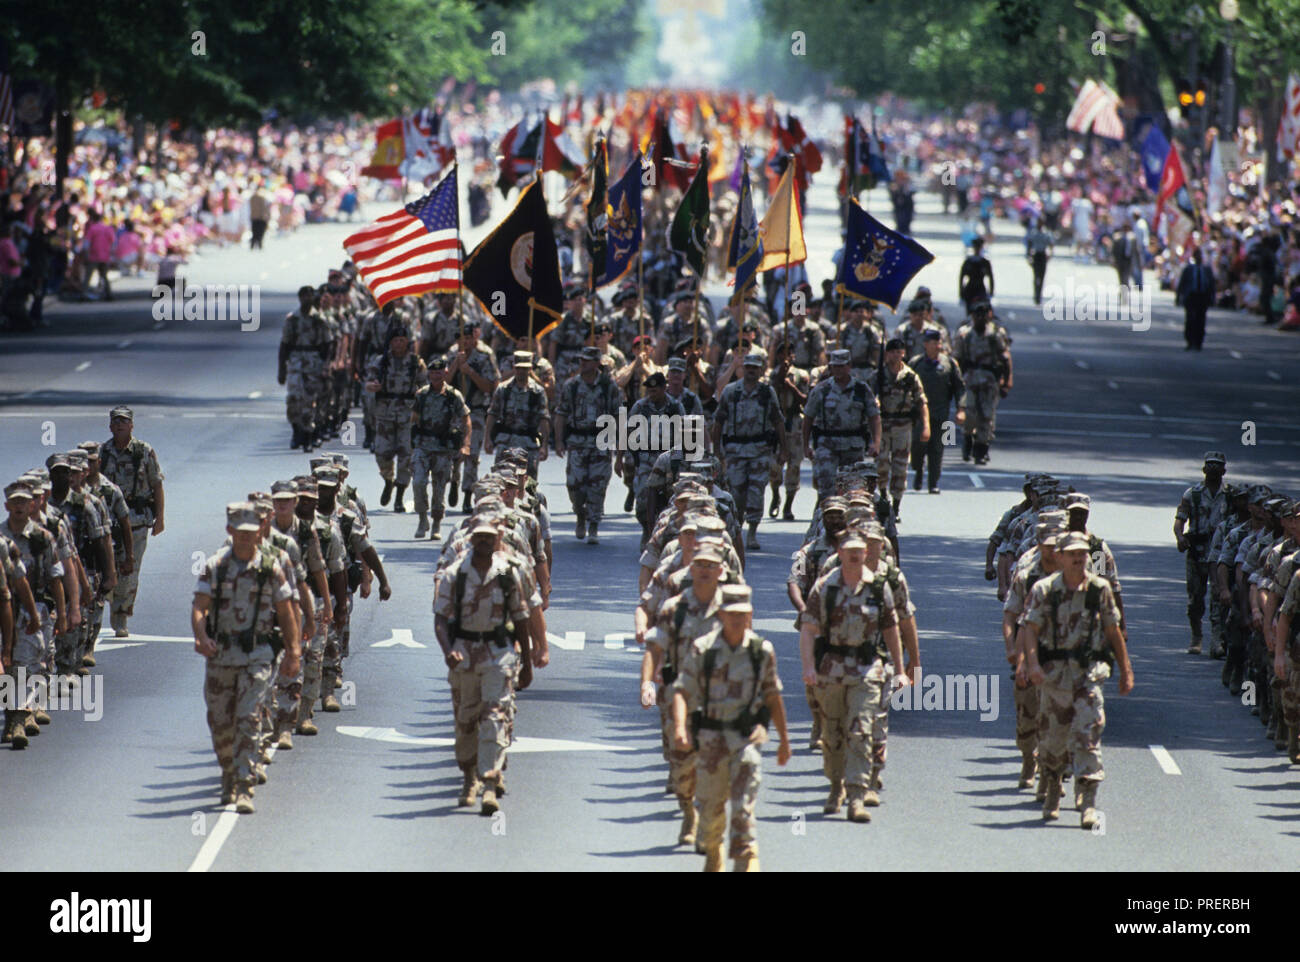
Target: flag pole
695, 332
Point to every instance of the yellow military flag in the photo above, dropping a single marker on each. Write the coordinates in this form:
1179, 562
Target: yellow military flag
782, 226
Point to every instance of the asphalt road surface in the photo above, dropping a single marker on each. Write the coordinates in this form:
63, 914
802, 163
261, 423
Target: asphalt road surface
1124, 414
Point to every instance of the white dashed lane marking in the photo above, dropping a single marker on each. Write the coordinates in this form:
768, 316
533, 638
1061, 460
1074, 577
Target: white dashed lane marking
1167, 763
82, 366
1147, 409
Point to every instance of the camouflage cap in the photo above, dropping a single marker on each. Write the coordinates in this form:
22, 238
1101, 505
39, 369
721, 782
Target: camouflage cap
522, 359
122, 411
687, 489
91, 448
1046, 534
341, 460
1275, 504
853, 537
873, 531
264, 507
737, 598
866, 469
1072, 541
700, 502
327, 476
589, 354
677, 364
708, 551
284, 490
710, 523
1260, 493
839, 357
321, 461
483, 526
689, 523
78, 459
1075, 501
1290, 510
835, 504
1052, 517
242, 516
38, 481
57, 460
1215, 457
703, 468
18, 491
306, 484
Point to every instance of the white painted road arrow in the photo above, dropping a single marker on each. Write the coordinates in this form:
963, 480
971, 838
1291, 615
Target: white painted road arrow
521, 744
401, 637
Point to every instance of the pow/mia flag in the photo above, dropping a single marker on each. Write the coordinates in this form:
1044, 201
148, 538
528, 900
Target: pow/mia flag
516, 267
689, 235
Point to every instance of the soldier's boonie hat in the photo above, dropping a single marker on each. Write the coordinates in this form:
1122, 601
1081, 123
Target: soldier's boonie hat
57, 460
522, 359
18, 491
752, 359
677, 364
1215, 457
242, 516
737, 598
1077, 501
326, 476
122, 411
839, 356
708, 551
657, 379
590, 354
1046, 534
437, 363
284, 490
1072, 541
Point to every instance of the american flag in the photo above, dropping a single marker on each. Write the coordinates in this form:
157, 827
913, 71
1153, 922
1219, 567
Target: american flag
413, 250
1288, 135
6, 91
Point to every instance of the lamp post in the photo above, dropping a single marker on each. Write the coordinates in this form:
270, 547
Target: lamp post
1228, 10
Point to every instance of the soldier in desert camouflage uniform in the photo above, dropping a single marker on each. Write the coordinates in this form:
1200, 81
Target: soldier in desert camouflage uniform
240, 599
849, 626
1200, 510
729, 678
792, 385
902, 405
119, 527
394, 379
584, 399
1070, 632
486, 660
518, 416
132, 465
983, 350
440, 432
303, 354
472, 371
841, 423
748, 428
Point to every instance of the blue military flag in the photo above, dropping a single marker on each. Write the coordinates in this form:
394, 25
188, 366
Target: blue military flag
878, 263
623, 228
1155, 148
745, 248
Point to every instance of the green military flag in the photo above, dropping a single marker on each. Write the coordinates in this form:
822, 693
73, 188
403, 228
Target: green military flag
689, 235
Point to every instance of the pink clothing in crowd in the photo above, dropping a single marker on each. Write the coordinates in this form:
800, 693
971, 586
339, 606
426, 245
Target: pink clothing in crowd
11, 263
99, 243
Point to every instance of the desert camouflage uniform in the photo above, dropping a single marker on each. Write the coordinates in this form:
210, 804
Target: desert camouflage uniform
355, 544
728, 762
119, 527
86, 527
485, 366
1029, 718
307, 337
570, 335
334, 553
1071, 698
287, 692
399, 379
850, 686
137, 483
517, 417
483, 684
588, 468
981, 358
437, 415
866, 345
643, 459
1202, 511
38, 559
628, 327
901, 399
438, 332
747, 420
841, 421
236, 681
788, 461
808, 340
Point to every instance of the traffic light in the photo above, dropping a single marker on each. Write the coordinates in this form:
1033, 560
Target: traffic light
1199, 92
1186, 97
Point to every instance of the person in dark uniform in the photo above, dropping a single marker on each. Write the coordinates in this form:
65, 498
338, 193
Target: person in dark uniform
941, 377
1195, 294
975, 269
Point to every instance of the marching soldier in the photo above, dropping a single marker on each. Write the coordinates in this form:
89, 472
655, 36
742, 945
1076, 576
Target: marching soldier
393, 379
864, 338
943, 385
303, 352
518, 416
570, 335
792, 385
983, 350
902, 407
683, 325
330, 623
472, 370
440, 433
584, 400
95, 560
132, 465
481, 623
637, 463
729, 686
842, 420
748, 427
912, 331
242, 615
1202, 507
848, 628
119, 530
439, 328
1071, 634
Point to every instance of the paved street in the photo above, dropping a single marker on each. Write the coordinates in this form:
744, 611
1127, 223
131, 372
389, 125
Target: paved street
1124, 415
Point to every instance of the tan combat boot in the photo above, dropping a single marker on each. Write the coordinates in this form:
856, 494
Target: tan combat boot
1090, 816
690, 821
30, 724
490, 806
244, 798
42, 716
227, 788
259, 774
1028, 765
1052, 796
858, 807
746, 863
330, 703
835, 800
307, 727
285, 741
713, 859
875, 781
470, 787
